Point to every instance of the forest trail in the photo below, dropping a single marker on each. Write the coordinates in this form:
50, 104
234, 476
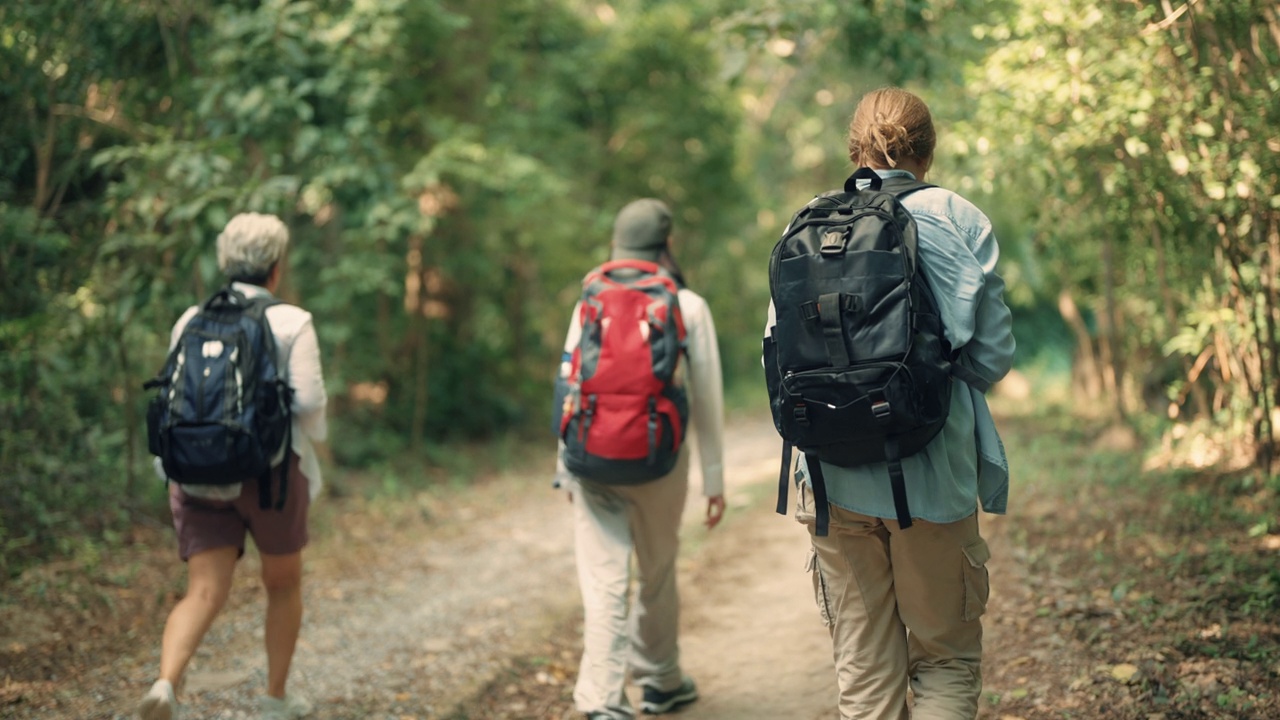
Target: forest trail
468, 609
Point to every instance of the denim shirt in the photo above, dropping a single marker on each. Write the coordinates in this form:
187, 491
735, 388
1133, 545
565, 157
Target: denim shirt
965, 464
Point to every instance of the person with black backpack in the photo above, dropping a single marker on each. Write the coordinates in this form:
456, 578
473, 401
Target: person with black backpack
238, 403
641, 361
886, 325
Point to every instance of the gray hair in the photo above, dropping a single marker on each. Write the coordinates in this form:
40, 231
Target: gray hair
250, 245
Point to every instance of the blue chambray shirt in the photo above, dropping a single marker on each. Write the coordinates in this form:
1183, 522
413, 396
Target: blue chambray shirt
965, 464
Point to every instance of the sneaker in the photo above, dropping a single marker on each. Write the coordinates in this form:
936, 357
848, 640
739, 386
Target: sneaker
160, 703
657, 702
290, 707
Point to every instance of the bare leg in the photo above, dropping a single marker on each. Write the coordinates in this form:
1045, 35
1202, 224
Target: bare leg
208, 583
282, 577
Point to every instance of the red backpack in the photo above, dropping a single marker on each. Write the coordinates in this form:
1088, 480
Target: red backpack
623, 418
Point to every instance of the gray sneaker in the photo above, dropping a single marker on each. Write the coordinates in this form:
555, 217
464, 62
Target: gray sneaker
160, 703
657, 702
290, 707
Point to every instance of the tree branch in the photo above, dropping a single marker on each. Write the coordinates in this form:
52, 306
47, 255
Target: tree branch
1170, 19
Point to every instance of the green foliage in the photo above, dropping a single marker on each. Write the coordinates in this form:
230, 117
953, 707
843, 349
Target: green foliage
450, 170
1120, 125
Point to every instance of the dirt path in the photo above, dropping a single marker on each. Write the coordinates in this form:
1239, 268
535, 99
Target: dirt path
752, 635
472, 612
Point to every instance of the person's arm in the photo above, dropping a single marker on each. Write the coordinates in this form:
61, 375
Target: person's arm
989, 352
707, 411
959, 252
563, 478
307, 381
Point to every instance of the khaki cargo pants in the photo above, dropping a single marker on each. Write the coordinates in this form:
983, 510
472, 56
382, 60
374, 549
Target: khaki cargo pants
613, 524
902, 607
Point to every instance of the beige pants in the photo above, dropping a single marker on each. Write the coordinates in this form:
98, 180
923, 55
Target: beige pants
902, 606
612, 523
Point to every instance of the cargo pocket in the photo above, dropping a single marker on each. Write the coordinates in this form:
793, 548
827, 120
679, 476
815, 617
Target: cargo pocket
820, 594
804, 496
977, 584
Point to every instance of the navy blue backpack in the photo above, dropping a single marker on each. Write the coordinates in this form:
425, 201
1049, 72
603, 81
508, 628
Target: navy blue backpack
221, 412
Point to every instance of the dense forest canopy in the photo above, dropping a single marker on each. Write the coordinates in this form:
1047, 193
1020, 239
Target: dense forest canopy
450, 169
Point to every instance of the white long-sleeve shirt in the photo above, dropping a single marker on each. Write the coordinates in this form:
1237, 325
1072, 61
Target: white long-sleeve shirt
705, 385
298, 352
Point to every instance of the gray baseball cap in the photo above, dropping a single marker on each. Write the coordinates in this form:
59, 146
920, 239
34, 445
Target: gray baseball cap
641, 230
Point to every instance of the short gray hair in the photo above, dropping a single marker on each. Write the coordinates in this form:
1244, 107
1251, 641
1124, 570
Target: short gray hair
250, 245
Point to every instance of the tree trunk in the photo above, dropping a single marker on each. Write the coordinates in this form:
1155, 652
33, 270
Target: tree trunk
1111, 353
130, 415
1087, 374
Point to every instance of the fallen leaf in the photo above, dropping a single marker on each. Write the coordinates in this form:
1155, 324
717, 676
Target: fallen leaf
1213, 632
1124, 672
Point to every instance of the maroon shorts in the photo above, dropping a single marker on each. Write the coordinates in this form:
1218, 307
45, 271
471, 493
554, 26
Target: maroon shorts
210, 524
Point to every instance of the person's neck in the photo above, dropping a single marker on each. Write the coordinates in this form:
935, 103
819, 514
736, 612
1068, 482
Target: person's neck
916, 167
273, 279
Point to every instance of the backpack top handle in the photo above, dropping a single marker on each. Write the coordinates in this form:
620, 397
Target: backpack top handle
863, 173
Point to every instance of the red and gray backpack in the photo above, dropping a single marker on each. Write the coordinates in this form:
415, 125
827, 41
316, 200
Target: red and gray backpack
624, 415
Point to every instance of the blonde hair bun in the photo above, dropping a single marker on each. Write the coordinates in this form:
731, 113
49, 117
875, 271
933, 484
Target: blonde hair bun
890, 125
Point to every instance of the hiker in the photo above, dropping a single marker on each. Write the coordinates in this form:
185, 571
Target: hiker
212, 519
634, 506
901, 591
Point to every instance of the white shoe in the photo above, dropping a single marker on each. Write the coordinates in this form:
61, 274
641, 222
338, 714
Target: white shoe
290, 707
160, 703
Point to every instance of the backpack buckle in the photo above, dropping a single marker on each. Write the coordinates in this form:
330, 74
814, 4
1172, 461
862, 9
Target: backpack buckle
801, 413
833, 242
880, 409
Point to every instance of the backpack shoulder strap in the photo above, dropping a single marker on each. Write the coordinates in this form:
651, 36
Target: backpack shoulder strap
902, 187
256, 307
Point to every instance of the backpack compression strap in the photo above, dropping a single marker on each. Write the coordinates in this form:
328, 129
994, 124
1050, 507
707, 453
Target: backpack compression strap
897, 483
821, 506
784, 477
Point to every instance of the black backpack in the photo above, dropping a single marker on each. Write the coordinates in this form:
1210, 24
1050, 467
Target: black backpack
857, 367
221, 411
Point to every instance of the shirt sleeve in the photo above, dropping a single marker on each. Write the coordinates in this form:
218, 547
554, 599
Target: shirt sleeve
990, 351
307, 381
573, 336
563, 478
707, 392
959, 252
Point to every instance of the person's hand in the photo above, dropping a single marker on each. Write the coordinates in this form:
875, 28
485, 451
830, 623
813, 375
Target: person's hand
715, 510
